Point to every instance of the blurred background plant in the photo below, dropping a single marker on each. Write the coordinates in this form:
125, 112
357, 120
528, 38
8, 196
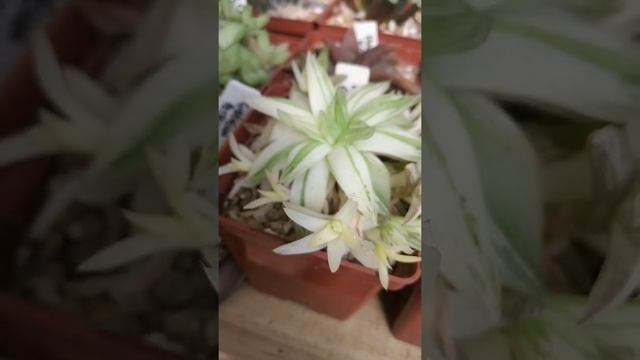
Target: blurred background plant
308, 10
245, 51
532, 119
398, 17
137, 135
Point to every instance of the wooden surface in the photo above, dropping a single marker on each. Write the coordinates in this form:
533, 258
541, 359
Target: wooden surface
256, 326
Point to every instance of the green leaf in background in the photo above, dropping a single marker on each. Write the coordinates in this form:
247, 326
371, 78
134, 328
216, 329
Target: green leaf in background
510, 174
591, 9
452, 26
568, 32
253, 55
127, 251
230, 33
532, 72
456, 208
620, 274
553, 332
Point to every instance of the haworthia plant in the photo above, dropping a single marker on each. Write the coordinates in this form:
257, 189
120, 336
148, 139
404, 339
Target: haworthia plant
328, 136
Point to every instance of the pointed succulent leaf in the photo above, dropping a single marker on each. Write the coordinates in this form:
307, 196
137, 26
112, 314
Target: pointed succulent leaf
336, 250
310, 189
308, 219
568, 32
51, 78
272, 107
384, 108
321, 90
381, 182
31, 143
301, 246
352, 174
620, 274
393, 142
364, 95
510, 174
127, 251
556, 79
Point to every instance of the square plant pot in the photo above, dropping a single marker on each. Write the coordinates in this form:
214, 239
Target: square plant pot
407, 325
31, 331
304, 279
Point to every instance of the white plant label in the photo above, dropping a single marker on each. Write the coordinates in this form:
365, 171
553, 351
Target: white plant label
232, 107
356, 75
366, 34
239, 4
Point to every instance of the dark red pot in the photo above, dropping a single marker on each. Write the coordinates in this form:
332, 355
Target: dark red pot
408, 51
32, 332
407, 325
305, 279
290, 27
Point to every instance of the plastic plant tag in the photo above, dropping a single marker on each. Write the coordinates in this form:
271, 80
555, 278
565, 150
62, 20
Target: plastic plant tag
355, 75
232, 107
366, 34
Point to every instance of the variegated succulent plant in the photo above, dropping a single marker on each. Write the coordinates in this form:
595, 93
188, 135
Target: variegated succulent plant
486, 190
325, 140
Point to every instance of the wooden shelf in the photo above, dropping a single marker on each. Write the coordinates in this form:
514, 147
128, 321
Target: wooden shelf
256, 326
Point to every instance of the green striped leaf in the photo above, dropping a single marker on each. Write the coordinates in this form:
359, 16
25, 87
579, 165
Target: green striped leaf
384, 108
273, 106
504, 65
310, 188
381, 182
352, 174
320, 88
303, 157
393, 142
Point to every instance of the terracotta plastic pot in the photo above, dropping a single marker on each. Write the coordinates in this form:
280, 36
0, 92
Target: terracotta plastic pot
299, 27
408, 50
294, 42
407, 325
290, 27
32, 332
305, 279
